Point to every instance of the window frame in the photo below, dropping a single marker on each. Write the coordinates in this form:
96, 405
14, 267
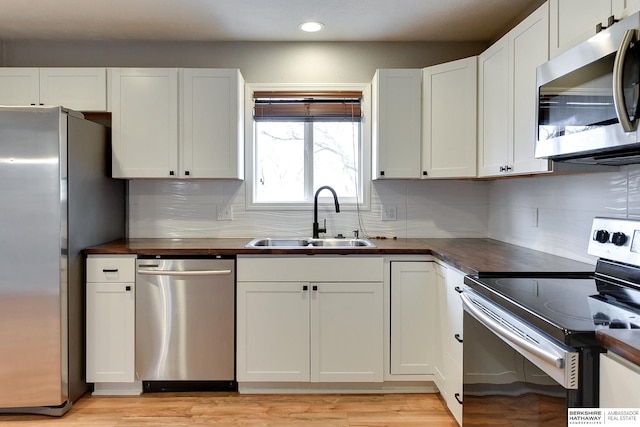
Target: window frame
365, 148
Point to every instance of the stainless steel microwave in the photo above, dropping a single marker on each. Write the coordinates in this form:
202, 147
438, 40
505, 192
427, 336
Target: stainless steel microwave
589, 99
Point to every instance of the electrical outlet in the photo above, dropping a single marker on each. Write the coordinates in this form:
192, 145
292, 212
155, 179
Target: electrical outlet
224, 213
388, 213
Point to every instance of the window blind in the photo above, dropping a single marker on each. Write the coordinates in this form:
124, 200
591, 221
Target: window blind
307, 106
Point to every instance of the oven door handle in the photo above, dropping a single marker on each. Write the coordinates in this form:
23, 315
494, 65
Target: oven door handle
509, 336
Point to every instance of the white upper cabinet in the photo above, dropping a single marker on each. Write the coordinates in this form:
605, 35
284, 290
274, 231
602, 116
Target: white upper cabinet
574, 21
396, 125
507, 90
82, 89
177, 123
19, 86
629, 7
212, 123
144, 121
493, 109
449, 107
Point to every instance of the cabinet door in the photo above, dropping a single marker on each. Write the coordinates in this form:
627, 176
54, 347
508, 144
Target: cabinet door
619, 381
442, 329
19, 86
453, 344
144, 122
413, 316
272, 331
624, 8
397, 119
449, 111
493, 109
212, 125
574, 21
110, 332
82, 89
346, 332
528, 43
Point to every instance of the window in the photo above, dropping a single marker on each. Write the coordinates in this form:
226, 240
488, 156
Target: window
303, 140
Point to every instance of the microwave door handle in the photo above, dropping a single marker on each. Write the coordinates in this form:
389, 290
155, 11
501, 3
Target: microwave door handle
618, 89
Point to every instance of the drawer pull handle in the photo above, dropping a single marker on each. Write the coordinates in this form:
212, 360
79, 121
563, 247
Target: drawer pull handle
458, 289
457, 337
305, 288
127, 288
109, 270
315, 288
457, 396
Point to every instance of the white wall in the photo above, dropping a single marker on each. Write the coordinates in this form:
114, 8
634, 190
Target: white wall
260, 62
565, 207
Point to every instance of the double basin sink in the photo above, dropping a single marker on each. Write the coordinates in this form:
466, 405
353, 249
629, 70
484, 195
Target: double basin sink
293, 243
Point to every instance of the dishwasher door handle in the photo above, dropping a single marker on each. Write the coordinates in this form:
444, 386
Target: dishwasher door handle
184, 273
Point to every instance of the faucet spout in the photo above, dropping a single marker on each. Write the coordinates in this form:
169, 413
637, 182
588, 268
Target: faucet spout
316, 227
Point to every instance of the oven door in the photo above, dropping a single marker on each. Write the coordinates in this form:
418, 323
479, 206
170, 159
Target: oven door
512, 373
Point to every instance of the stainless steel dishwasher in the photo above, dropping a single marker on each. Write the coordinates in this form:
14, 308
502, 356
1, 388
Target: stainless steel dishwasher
185, 323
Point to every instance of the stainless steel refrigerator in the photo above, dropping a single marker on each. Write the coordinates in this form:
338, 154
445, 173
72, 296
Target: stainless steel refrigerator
56, 198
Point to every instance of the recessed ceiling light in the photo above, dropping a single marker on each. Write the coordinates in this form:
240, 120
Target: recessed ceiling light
311, 27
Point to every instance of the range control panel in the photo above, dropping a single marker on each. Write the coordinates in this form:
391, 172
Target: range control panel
615, 239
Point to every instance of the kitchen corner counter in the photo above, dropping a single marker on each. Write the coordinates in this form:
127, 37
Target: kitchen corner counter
469, 255
623, 342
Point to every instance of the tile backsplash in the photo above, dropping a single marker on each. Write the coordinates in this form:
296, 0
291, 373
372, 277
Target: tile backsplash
563, 206
183, 209
548, 213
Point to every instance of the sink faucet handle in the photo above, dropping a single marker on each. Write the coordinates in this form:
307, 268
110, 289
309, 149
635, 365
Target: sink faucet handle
324, 226
356, 233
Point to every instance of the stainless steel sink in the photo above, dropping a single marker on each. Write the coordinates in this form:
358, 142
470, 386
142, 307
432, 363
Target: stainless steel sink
291, 243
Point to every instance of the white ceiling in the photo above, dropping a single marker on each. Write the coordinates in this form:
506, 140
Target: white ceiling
257, 20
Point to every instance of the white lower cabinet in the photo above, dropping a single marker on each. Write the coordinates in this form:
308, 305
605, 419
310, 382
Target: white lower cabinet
309, 319
413, 318
110, 319
449, 360
619, 381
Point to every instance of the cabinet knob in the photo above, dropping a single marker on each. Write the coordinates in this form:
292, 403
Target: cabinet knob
381, 173
424, 173
315, 288
127, 288
172, 173
186, 173
305, 288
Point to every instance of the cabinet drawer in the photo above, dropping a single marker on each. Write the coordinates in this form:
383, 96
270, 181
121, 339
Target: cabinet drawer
113, 268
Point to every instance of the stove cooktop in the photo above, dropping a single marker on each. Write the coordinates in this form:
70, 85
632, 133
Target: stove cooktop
558, 306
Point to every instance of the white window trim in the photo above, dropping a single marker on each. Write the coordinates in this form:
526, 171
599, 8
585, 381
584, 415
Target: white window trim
249, 140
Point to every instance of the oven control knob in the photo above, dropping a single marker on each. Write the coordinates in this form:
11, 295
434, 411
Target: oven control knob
618, 238
601, 236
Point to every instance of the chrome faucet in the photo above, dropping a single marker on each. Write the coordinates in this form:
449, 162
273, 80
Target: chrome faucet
316, 226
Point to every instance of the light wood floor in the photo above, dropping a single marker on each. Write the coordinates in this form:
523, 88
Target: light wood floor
232, 409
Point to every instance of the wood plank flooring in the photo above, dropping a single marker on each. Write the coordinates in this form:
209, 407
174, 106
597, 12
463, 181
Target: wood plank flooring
232, 409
